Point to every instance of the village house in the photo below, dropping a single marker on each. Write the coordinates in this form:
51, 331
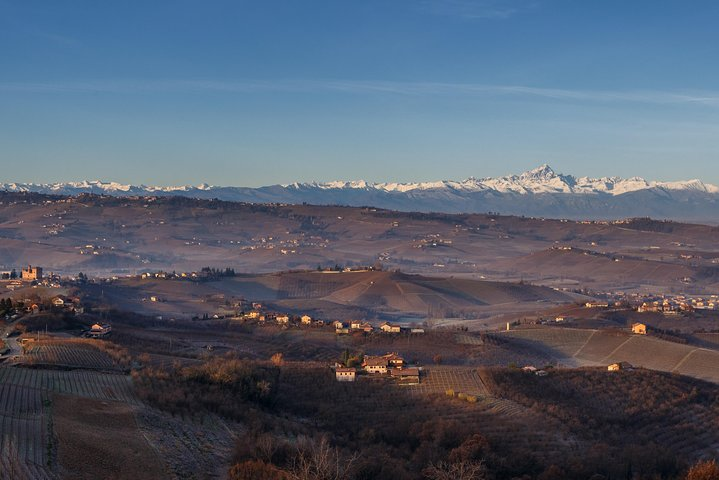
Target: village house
355, 324
32, 308
387, 327
596, 304
58, 302
366, 327
254, 314
394, 360
98, 331
382, 363
282, 319
375, 364
639, 328
305, 320
341, 328
343, 374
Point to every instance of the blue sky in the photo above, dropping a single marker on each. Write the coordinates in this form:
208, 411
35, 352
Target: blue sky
271, 91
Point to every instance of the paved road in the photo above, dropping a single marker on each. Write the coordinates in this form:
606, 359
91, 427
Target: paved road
12, 343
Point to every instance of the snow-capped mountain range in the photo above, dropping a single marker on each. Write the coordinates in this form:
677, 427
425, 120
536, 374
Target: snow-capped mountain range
538, 192
540, 180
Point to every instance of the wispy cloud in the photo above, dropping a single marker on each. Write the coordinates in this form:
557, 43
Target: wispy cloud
476, 9
356, 87
56, 38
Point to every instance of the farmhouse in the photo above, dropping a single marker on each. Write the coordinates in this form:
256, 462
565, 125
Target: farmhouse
381, 363
99, 331
639, 328
375, 364
343, 374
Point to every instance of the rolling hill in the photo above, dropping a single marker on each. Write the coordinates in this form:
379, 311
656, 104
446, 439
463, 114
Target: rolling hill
102, 235
370, 294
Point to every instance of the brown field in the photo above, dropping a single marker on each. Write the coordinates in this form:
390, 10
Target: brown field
70, 353
100, 439
28, 415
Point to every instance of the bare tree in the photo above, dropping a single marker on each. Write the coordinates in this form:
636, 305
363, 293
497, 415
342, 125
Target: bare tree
465, 470
266, 447
320, 461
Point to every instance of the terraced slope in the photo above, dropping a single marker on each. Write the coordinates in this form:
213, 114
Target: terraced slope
576, 347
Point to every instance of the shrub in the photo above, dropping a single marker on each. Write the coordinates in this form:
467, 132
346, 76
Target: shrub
705, 470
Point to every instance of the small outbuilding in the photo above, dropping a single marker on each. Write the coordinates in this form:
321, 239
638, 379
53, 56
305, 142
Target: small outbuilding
639, 328
343, 374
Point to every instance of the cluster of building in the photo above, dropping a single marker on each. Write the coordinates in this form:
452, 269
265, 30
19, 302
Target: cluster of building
432, 240
345, 328
284, 246
666, 304
29, 275
679, 303
389, 364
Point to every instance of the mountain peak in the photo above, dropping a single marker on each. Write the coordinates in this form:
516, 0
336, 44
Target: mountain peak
542, 172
